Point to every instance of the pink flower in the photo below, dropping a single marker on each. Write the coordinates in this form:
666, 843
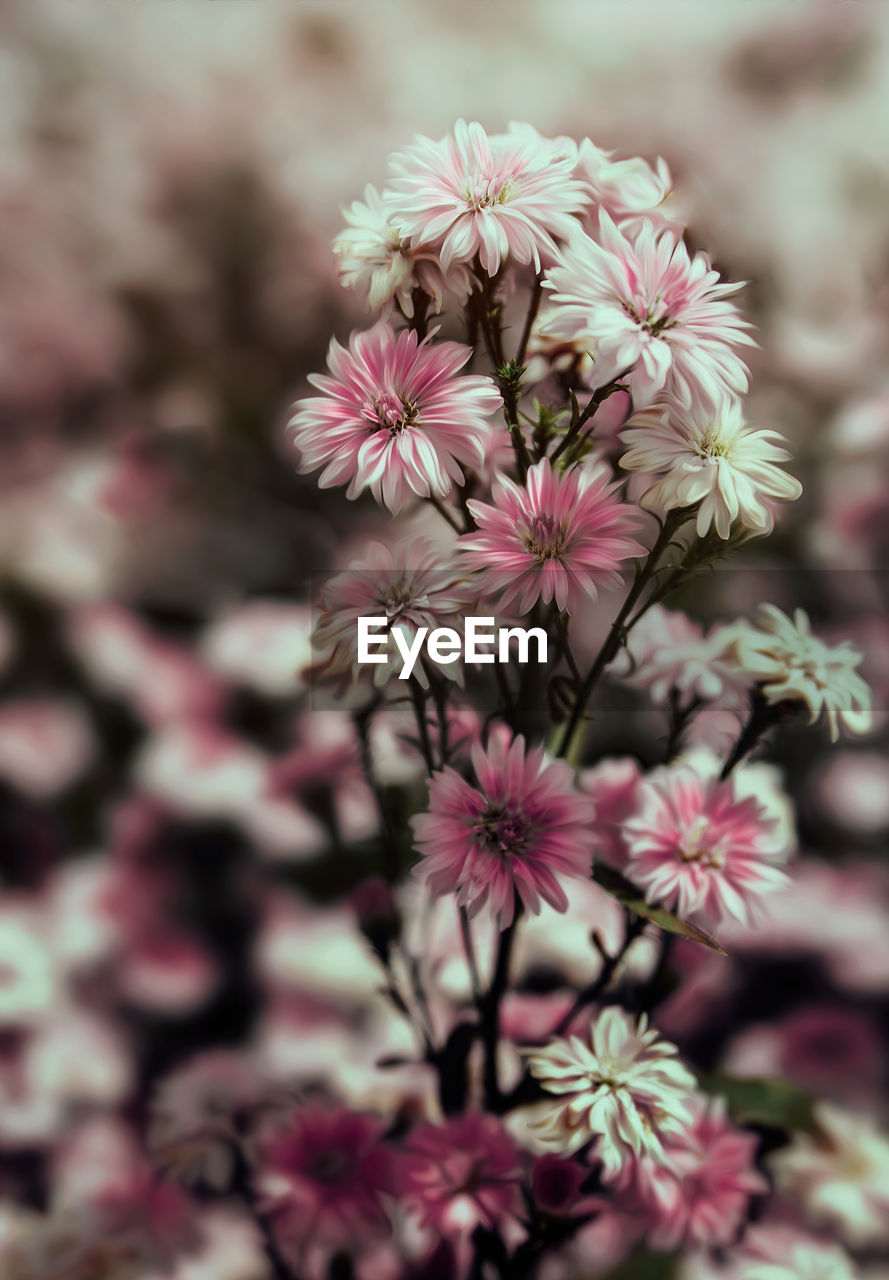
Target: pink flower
561, 537
514, 834
699, 1196
463, 1174
321, 1177
696, 846
650, 312
394, 417
628, 190
501, 197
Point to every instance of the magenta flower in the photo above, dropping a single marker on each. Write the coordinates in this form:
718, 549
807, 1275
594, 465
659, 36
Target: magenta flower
647, 310
700, 1195
561, 537
693, 845
394, 417
463, 1174
321, 1175
501, 197
521, 828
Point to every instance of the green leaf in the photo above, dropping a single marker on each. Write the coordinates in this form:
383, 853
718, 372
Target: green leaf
630, 897
763, 1100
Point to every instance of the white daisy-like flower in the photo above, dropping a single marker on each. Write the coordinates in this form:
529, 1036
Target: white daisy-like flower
625, 1088
790, 664
842, 1177
378, 263
711, 456
627, 189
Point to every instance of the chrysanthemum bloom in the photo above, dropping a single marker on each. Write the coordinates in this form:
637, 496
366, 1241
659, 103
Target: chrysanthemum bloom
395, 417
667, 651
789, 664
625, 1088
627, 189
195, 1116
700, 1195
374, 260
463, 1174
558, 537
841, 1178
709, 455
412, 586
517, 832
649, 312
693, 844
501, 197
321, 1177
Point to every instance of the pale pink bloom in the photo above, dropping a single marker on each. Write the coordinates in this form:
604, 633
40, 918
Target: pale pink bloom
498, 198
840, 1175
648, 312
624, 1088
667, 651
46, 744
395, 417
700, 1195
374, 260
696, 845
463, 1174
613, 787
851, 789
262, 644
513, 835
321, 1175
779, 1251
410, 584
708, 455
628, 190
790, 664
559, 537
166, 971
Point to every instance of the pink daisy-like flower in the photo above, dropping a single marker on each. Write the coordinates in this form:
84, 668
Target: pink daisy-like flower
501, 197
394, 417
320, 1177
463, 1174
694, 845
648, 311
560, 537
515, 833
699, 1196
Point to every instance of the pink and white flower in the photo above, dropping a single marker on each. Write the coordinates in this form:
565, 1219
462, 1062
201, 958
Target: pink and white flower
708, 455
513, 835
696, 845
502, 197
648, 312
394, 417
560, 537
628, 190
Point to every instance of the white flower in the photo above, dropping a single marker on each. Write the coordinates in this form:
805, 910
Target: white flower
625, 1088
710, 456
627, 189
806, 1260
842, 1180
667, 651
371, 256
791, 664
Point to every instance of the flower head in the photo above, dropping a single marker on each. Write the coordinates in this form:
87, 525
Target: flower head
409, 584
790, 664
700, 1195
709, 455
628, 190
394, 417
374, 260
842, 1178
625, 1088
667, 651
649, 312
693, 844
515, 833
501, 197
558, 537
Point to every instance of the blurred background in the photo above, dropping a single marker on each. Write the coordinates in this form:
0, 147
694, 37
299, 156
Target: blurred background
171, 174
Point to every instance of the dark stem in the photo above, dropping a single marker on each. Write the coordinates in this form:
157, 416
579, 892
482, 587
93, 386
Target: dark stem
598, 397
762, 717
418, 696
533, 308
242, 1186
589, 994
489, 1010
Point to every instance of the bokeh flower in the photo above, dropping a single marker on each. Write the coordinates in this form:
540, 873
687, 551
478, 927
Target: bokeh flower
625, 1088
394, 417
515, 834
560, 537
648, 312
695, 845
790, 664
708, 455
501, 197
